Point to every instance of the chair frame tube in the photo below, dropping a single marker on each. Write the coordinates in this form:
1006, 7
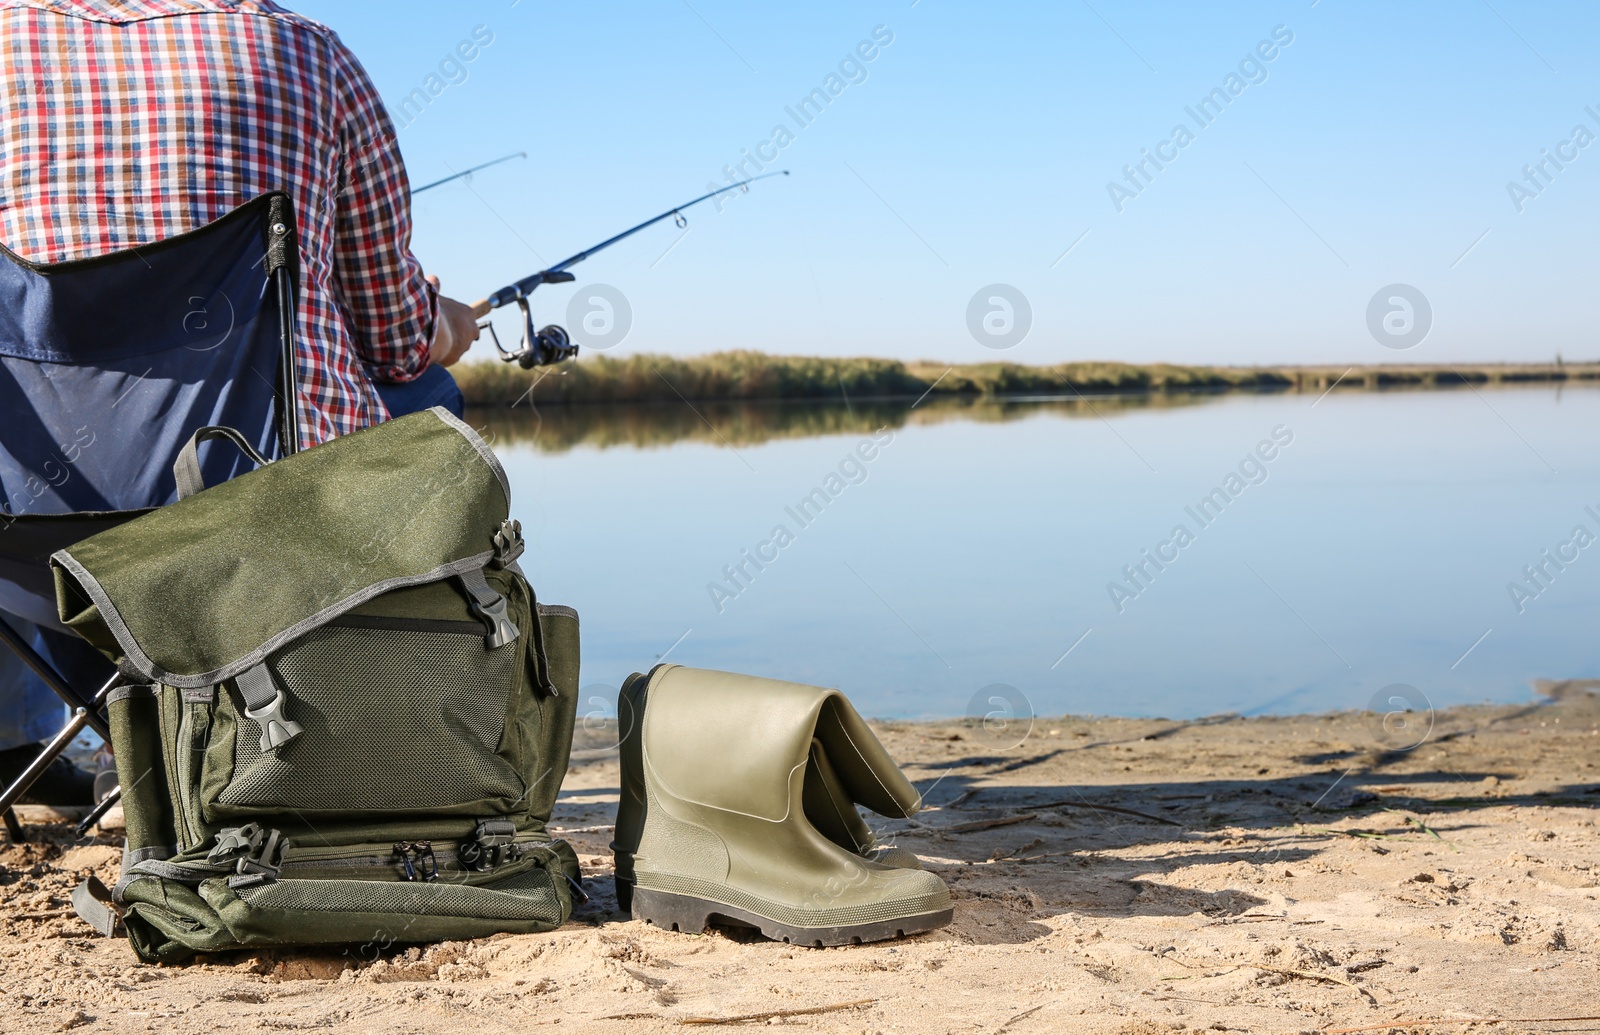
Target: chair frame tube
84, 715
45, 671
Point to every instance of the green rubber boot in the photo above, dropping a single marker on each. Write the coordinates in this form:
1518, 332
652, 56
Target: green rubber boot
832, 810
828, 805
738, 806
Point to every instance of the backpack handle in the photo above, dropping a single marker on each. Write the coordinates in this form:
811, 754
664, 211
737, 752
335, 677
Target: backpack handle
186, 469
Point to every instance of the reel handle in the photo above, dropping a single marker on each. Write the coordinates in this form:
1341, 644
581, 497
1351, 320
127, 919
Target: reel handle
480, 308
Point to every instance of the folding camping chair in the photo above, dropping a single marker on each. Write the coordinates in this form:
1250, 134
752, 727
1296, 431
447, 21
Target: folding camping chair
107, 366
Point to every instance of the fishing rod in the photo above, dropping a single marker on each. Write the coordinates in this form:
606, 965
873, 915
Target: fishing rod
469, 172
552, 344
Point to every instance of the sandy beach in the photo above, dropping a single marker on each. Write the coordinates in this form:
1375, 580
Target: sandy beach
1110, 875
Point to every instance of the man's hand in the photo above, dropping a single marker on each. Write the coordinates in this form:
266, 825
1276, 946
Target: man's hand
457, 329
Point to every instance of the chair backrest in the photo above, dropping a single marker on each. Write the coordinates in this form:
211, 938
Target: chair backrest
109, 364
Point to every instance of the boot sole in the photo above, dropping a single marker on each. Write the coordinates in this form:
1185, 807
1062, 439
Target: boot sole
693, 915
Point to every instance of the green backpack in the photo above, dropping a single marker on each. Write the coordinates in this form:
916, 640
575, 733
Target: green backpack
351, 717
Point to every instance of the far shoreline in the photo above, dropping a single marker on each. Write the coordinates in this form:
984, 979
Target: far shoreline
754, 377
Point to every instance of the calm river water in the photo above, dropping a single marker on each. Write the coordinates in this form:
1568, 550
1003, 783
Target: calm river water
1178, 557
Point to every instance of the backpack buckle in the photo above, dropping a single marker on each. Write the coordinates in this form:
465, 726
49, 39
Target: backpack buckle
264, 702
491, 607
255, 851
490, 846
277, 729
508, 544
501, 631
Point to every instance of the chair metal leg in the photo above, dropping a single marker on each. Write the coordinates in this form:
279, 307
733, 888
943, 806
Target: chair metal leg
81, 717
13, 827
46, 759
99, 811
45, 671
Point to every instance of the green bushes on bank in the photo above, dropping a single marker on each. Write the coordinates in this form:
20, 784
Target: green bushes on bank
748, 376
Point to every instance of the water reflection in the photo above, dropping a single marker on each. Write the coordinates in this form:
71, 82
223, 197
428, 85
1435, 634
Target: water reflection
557, 429
1378, 543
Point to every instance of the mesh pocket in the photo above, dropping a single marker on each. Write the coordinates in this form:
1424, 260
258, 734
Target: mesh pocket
528, 896
392, 720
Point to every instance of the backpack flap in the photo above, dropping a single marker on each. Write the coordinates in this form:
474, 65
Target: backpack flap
204, 590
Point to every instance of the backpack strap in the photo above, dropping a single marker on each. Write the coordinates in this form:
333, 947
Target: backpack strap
186, 469
91, 900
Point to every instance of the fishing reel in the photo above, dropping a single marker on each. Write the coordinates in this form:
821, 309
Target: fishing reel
545, 347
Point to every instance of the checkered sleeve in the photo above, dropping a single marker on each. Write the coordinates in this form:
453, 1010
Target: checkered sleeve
390, 307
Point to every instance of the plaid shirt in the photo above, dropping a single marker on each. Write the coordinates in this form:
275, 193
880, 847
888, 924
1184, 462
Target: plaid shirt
124, 122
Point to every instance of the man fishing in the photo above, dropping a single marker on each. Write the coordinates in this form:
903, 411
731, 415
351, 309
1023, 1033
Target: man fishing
125, 122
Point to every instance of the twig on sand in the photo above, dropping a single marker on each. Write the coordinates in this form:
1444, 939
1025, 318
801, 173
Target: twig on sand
54, 914
1373, 835
1369, 835
984, 824
1246, 918
746, 1018
1102, 808
958, 799
1310, 975
1428, 1023
1026, 1013
1250, 918
1002, 855
1420, 825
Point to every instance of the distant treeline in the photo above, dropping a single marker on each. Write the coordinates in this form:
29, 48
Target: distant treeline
745, 376
717, 422
756, 375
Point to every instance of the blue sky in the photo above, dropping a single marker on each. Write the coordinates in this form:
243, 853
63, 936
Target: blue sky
1375, 148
